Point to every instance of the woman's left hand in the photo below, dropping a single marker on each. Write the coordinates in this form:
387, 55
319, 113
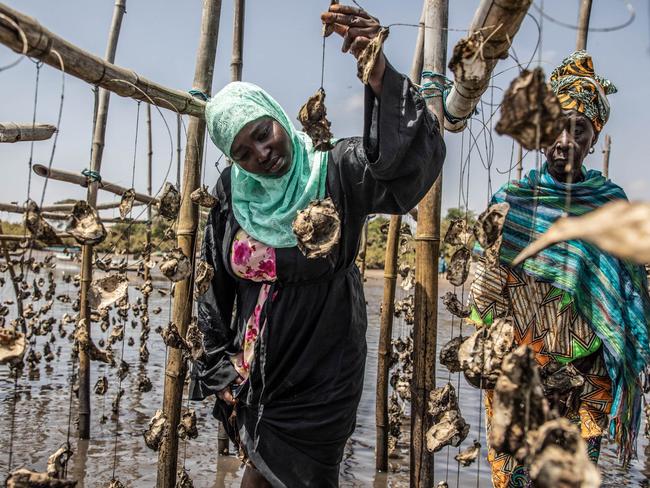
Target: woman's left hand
357, 28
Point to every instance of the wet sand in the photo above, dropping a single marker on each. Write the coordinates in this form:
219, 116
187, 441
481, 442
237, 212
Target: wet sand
42, 407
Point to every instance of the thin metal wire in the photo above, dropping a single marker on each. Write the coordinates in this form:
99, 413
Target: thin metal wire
629, 21
31, 144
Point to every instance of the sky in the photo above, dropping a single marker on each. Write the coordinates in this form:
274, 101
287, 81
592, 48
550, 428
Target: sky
282, 53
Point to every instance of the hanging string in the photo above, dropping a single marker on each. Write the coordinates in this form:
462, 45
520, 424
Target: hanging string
322, 66
31, 144
135, 150
13, 420
616, 27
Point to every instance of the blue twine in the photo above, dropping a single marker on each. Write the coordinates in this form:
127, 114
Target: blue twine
435, 88
199, 94
92, 175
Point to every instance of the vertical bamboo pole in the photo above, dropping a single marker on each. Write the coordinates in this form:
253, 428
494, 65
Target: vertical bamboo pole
14, 282
363, 250
178, 149
427, 251
87, 250
388, 300
583, 24
186, 237
520, 162
147, 270
606, 152
237, 61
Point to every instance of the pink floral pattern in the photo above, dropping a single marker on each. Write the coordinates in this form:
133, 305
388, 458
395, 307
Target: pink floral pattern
252, 260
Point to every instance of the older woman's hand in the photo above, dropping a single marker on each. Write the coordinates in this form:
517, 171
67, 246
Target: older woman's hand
357, 28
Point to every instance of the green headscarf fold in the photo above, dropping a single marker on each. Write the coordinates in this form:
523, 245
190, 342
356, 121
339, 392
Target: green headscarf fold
265, 206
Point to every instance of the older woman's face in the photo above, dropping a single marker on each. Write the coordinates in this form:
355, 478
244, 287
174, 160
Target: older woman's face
263, 147
566, 154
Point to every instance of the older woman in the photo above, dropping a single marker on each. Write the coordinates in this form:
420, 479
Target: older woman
573, 305
285, 335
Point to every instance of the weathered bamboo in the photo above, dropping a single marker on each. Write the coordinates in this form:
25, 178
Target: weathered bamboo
427, 251
149, 188
499, 22
520, 162
178, 149
12, 132
583, 24
66, 207
14, 281
81, 180
87, 250
606, 152
388, 301
237, 60
186, 238
22, 237
45, 45
363, 250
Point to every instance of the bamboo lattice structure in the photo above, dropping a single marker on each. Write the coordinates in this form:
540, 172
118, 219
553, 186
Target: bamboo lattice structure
13, 132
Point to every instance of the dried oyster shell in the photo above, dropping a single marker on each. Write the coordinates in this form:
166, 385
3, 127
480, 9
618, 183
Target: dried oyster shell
183, 479
469, 455
12, 346
562, 381
489, 225
449, 354
194, 338
115, 405
457, 233
203, 277
313, 117
368, 57
530, 111
169, 203
467, 62
458, 270
37, 226
450, 430
85, 225
172, 338
144, 384
201, 196
83, 342
155, 431
451, 301
317, 228
101, 387
22, 478
442, 400
126, 203
187, 425
57, 461
115, 483
175, 265
106, 291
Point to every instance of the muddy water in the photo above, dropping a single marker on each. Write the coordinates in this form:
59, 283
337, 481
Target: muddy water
42, 417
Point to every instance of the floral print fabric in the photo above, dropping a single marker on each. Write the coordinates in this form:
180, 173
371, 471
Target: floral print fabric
252, 260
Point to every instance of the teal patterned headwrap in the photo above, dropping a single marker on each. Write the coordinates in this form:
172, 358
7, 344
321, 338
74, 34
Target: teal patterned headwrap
265, 206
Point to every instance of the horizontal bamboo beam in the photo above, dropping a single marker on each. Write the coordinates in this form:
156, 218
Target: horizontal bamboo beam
81, 180
25, 35
497, 23
66, 207
13, 132
20, 238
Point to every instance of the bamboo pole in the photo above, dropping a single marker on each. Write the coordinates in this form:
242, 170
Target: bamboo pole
83, 181
606, 152
498, 21
186, 238
520, 162
13, 132
583, 24
427, 251
388, 301
14, 281
34, 40
237, 60
363, 250
178, 150
87, 250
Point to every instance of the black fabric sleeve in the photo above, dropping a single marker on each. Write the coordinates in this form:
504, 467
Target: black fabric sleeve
214, 371
401, 153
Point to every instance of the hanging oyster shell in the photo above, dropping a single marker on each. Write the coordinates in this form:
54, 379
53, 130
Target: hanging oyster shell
559, 457
144, 383
169, 203
468, 455
187, 425
562, 381
317, 228
126, 203
123, 369
115, 483
467, 62
442, 400
85, 225
313, 117
408, 277
530, 111
115, 405
458, 270
449, 354
457, 233
368, 57
155, 431
519, 384
106, 291
83, 342
175, 265
203, 277
101, 387
172, 338
450, 430
12, 346
22, 478
37, 226
489, 225
194, 338
452, 303
183, 479
201, 196
57, 462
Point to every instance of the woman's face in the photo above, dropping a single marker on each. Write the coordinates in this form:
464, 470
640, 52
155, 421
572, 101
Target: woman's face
566, 154
263, 147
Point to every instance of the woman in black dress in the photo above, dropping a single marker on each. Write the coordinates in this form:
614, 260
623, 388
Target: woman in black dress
284, 335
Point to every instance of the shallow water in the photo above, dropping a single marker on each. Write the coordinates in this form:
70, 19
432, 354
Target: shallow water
43, 399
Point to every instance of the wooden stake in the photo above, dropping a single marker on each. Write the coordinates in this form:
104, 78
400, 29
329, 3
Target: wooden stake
363, 250
237, 61
186, 237
583, 24
427, 251
520, 162
87, 250
388, 300
46, 46
12, 132
606, 152
14, 282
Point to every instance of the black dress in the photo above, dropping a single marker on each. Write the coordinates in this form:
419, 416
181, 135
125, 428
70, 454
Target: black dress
299, 406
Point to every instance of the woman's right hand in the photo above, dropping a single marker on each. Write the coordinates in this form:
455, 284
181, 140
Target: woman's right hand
226, 394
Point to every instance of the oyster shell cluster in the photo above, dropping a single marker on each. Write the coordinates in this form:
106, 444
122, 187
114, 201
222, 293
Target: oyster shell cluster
175, 265
449, 428
368, 57
37, 226
126, 203
313, 117
106, 291
85, 225
157, 428
317, 228
202, 197
169, 203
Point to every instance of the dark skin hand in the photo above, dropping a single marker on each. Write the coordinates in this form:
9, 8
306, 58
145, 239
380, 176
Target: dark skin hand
358, 28
263, 147
566, 154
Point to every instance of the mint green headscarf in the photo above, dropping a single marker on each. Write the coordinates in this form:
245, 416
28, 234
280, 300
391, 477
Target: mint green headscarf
265, 206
